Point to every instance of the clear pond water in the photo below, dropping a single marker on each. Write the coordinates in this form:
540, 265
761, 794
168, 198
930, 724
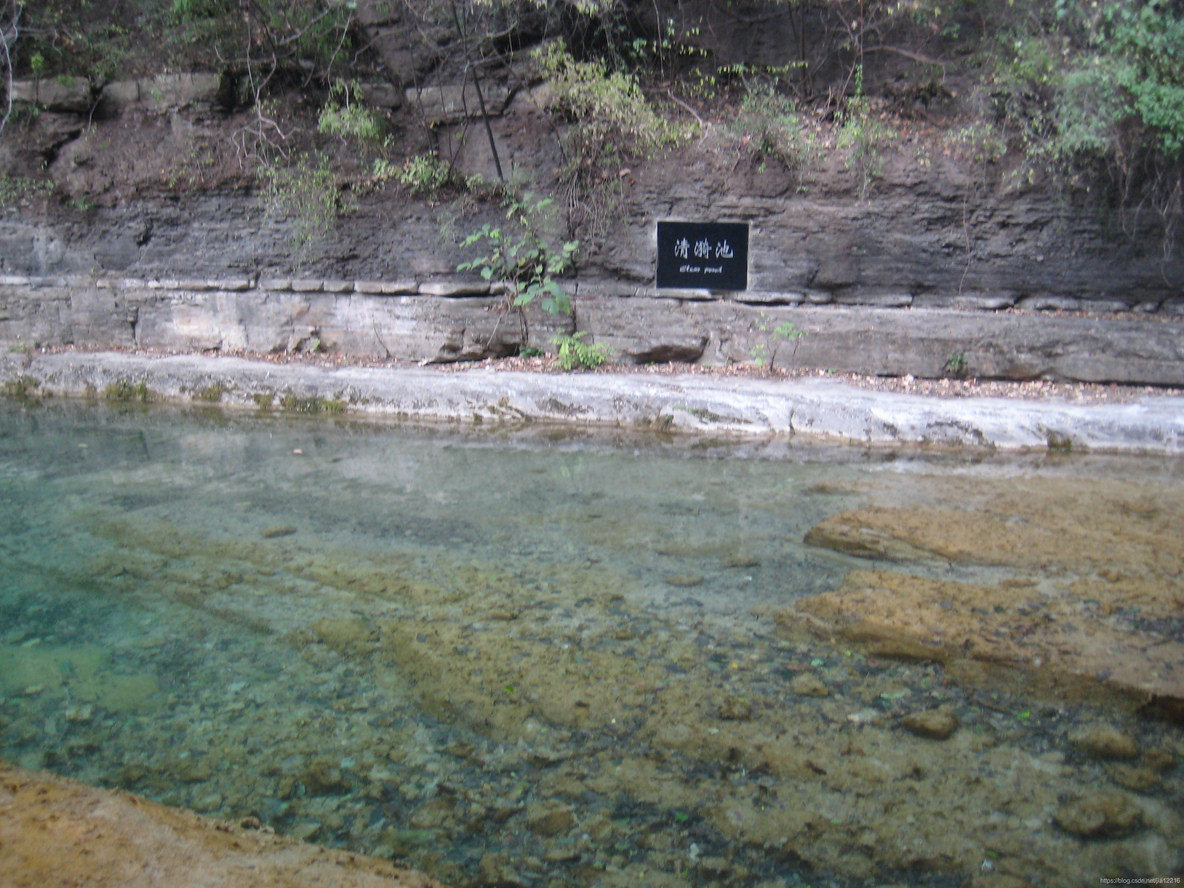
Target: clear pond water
538, 659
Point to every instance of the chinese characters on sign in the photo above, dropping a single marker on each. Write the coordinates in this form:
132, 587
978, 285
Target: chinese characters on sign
703, 255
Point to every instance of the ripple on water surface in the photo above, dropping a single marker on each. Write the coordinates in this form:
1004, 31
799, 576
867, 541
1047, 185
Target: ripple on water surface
597, 662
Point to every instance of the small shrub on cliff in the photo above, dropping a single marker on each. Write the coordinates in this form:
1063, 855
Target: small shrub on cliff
521, 256
345, 115
575, 353
764, 352
306, 194
769, 125
862, 136
956, 365
608, 124
425, 174
19, 190
607, 111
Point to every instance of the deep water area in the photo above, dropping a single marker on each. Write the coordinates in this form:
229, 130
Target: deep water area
546, 657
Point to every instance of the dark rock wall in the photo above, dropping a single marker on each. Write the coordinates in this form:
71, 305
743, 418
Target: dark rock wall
159, 189
897, 249
150, 266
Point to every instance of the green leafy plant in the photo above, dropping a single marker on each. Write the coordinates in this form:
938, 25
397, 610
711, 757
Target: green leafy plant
575, 353
124, 391
345, 115
862, 137
669, 51
956, 365
764, 352
305, 193
425, 174
270, 33
18, 190
521, 257
769, 125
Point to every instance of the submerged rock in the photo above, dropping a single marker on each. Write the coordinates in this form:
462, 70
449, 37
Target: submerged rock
1103, 815
1159, 759
741, 559
936, 724
549, 820
735, 709
496, 869
997, 880
807, 684
321, 778
1134, 778
1105, 741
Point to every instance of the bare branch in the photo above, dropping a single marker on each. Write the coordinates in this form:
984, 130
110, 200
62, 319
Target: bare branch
9, 33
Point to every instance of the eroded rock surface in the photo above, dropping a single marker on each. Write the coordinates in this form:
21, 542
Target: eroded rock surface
1078, 588
56, 831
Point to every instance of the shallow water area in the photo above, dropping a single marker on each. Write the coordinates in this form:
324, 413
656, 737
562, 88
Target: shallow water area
562, 659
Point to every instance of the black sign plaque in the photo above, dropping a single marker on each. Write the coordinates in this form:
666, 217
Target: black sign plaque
703, 255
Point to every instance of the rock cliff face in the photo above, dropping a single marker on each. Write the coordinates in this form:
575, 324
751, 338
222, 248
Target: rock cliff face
927, 236
160, 198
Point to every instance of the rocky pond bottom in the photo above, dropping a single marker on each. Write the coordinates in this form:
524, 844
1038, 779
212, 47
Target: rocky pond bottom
573, 661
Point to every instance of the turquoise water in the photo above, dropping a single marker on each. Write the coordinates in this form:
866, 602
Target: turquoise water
536, 659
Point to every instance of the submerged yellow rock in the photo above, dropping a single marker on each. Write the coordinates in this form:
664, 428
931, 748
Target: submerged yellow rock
84, 671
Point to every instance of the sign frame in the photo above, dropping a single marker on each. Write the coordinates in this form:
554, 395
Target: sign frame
702, 255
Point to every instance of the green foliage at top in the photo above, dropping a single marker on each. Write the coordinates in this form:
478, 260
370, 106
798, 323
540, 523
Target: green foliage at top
614, 120
1149, 42
1096, 80
103, 41
521, 256
1091, 91
77, 38
267, 33
1094, 94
